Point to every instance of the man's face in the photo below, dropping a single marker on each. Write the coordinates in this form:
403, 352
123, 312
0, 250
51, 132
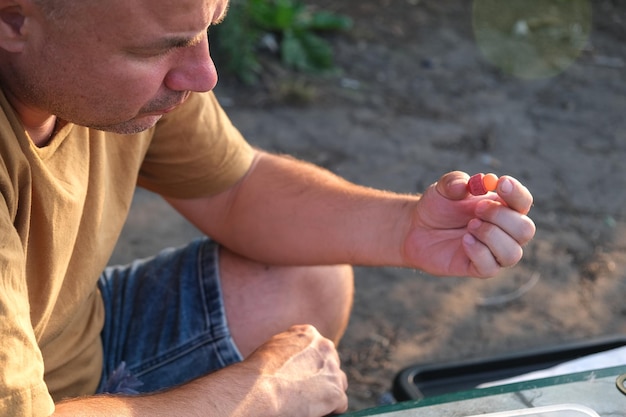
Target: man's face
120, 64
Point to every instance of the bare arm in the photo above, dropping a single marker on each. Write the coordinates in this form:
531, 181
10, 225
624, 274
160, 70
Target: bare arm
293, 370
285, 203
289, 212
228, 392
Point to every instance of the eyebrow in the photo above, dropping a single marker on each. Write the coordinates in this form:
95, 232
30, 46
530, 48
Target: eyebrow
181, 41
176, 42
166, 43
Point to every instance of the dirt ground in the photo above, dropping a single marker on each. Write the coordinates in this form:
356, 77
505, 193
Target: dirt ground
417, 98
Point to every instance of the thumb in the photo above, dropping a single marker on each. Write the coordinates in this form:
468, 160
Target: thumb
453, 185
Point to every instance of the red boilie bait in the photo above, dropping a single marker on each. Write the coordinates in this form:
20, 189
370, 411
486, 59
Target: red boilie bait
480, 184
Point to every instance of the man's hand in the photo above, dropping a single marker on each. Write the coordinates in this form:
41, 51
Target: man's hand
302, 370
455, 233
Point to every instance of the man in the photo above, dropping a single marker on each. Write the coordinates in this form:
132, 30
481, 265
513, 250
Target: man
98, 96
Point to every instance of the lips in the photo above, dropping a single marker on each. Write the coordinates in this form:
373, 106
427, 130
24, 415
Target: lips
168, 109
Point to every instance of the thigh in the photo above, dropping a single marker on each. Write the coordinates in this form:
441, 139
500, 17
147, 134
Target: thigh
165, 320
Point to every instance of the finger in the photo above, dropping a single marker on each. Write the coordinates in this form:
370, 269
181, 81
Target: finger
519, 226
339, 396
336, 396
514, 194
453, 185
504, 249
343, 405
482, 262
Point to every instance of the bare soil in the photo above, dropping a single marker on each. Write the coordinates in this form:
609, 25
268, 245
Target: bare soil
416, 98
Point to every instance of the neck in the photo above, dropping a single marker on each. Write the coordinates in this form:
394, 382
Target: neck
39, 124
41, 134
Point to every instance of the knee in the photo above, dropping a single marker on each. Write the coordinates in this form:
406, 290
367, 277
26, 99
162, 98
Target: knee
261, 301
329, 293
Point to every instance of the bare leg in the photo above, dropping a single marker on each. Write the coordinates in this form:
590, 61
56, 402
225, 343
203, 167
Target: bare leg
262, 300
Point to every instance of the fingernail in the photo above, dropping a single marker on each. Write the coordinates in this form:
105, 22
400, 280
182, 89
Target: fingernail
474, 224
469, 239
506, 186
458, 181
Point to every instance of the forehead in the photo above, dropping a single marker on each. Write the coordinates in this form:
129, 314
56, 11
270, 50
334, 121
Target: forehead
146, 18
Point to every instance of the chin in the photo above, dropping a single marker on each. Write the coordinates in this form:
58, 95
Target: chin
132, 126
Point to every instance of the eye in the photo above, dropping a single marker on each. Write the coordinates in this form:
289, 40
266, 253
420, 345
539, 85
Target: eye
144, 53
160, 53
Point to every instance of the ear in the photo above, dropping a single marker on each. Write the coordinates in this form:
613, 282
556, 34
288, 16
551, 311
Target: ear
12, 18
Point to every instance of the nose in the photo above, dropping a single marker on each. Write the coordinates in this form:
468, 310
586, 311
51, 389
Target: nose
194, 70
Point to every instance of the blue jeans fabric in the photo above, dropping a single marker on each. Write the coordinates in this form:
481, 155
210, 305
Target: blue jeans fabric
165, 322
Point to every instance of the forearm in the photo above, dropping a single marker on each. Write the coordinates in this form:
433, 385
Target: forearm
230, 392
289, 212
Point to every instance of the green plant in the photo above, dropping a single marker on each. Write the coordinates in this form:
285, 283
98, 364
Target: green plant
294, 26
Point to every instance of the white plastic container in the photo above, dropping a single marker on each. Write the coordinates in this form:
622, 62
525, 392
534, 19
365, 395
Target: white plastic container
560, 410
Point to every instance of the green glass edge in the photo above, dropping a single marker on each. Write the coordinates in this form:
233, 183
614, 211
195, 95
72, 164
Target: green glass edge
485, 392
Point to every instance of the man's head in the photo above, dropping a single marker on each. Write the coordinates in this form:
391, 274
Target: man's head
115, 65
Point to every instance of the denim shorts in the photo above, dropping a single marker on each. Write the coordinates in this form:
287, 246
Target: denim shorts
165, 322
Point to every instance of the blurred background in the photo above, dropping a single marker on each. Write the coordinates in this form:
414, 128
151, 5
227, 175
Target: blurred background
392, 94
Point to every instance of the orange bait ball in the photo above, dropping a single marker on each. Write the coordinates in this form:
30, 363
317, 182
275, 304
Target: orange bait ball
480, 184
490, 181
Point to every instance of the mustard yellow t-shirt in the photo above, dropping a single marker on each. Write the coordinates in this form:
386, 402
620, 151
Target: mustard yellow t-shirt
62, 208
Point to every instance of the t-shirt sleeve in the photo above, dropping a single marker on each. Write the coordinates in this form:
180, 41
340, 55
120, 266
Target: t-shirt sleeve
22, 388
195, 151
